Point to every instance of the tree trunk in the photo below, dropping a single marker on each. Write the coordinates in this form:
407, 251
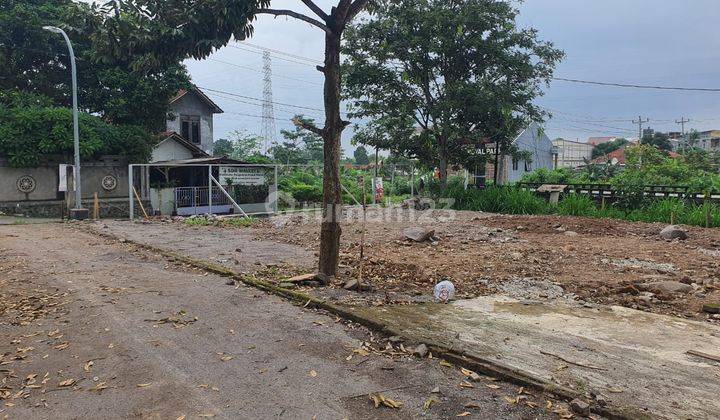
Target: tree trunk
330, 230
443, 165
443, 173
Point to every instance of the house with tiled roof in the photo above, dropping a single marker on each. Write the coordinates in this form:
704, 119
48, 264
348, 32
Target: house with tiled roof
190, 115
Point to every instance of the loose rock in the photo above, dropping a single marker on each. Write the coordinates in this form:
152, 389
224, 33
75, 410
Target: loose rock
418, 234
421, 351
667, 287
673, 232
580, 407
353, 285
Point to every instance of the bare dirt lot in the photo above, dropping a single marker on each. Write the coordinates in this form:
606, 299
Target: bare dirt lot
98, 328
594, 261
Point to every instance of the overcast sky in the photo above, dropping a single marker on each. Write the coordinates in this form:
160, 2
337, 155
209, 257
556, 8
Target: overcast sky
653, 42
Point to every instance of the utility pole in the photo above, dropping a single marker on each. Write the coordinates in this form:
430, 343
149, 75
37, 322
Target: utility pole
682, 122
640, 123
78, 212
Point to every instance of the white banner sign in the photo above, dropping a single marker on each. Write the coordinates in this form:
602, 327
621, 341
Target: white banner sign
233, 175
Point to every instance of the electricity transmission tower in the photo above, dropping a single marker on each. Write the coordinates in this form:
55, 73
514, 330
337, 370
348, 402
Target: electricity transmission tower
268, 116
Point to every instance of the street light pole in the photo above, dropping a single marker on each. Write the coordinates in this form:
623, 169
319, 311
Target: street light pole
78, 212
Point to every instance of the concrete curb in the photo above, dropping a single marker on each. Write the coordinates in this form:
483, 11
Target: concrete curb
460, 357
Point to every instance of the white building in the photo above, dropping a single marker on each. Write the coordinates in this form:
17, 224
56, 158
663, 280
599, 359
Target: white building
572, 154
533, 140
709, 140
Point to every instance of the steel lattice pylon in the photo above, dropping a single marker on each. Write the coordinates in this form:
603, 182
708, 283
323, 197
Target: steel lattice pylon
269, 129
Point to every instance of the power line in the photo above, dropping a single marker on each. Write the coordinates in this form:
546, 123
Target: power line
623, 85
259, 71
276, 56
299, 57
260, 100
259, 105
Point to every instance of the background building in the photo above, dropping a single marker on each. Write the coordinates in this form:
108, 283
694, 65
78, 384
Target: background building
572, 154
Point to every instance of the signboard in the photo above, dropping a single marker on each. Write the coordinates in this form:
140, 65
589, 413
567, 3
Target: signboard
234, 175
379, 191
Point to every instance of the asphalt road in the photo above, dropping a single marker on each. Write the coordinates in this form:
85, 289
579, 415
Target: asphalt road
94, 328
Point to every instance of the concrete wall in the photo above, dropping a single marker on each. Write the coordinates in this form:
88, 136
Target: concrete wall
47, 179
191, 105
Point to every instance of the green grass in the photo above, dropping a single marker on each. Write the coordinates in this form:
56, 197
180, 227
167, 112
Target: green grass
511, 200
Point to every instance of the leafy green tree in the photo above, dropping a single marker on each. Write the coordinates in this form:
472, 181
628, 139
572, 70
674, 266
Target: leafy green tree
245, 146
659, 140
361, 156
148, 32
30, 128
36, 61
223, 147
435, 78
299, 146
603, 149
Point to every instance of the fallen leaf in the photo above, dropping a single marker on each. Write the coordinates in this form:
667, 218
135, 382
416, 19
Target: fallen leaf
379, 399
445, 363
615, 390
510, 400
466, 384
362, 352
181, 417
88, 366
464, 414
67, 382
99, 387
429, 403
144, 385
467, 372
472, 405
492, 386
62, 346
313, 373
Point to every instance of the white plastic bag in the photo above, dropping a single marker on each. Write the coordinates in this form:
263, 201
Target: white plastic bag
444, 291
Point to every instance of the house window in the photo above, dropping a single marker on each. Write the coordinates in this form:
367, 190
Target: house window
515, 164
528, 166
190, 127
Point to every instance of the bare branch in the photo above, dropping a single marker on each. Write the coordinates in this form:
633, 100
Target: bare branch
356, 7
296, 15
317, 10
307, 126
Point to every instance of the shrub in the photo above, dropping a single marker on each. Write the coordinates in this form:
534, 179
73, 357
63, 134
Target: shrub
546, 176
577, 205
501, 199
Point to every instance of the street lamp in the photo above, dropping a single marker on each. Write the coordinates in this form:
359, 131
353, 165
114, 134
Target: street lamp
78, 212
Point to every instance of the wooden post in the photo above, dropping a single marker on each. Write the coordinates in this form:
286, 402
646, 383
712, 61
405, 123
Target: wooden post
141, 204
708, 215
672, 217
96, 207
362, 237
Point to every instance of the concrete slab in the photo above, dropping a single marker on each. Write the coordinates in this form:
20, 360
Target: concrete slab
631, 358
